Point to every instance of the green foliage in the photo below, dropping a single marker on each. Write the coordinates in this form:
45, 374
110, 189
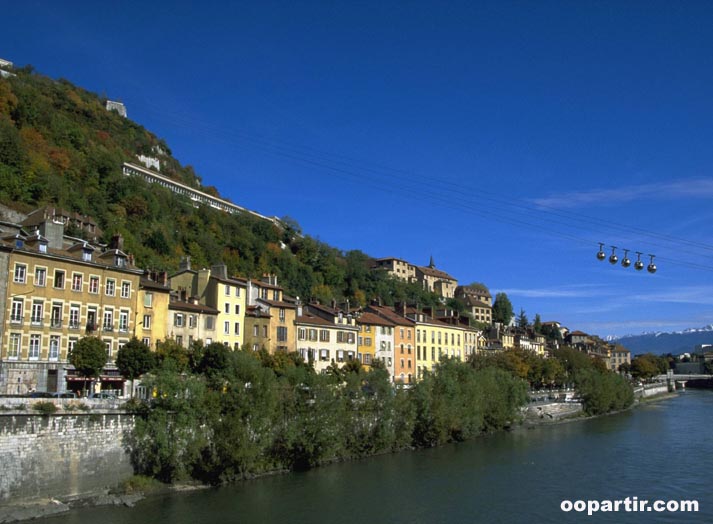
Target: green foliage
134, 359
45, 408
603, 392
522, 321
502, 309
59, 145
243, 413
88, 357
648, 365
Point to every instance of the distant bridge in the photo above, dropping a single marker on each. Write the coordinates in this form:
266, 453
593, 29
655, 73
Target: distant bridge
662, 378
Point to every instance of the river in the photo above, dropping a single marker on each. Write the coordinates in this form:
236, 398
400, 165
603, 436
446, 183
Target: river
660, 451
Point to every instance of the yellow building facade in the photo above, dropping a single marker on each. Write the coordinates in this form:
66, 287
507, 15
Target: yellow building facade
56, 294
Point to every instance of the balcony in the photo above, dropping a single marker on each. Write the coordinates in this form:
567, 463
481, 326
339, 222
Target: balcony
56, 323
16, 319
73, 324
36, 321
107, 327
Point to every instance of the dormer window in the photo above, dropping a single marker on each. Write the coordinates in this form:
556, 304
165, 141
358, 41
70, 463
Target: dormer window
87, 255
120, 261
19, 243
42, 247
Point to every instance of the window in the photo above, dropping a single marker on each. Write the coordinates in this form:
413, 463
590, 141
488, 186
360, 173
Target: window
401, 332
227, 290
178, 319
256, 331
147, 321
227, 308
148, 300
35, 347
147, 341
16, 312
13, 351
282, 334
37, 313
237, 309
226, 328
237, 291
179, 340
74, 316
192, 321
59, 279
301, 334
123, 321
108, 324
92, 318
237, 328
107, 346
313, 334
282, 314
324, 335
209, 324
94, 285
264, 331
367, 358
76, 281
408, 334
40, 276
54, 347
20, 273
56, 316
110, 288
125, 289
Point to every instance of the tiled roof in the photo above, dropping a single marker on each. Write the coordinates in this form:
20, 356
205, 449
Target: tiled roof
373, 319
437, 273
390, 314
311, 319
277, 303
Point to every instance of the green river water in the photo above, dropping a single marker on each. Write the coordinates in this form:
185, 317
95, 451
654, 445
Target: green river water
660, 451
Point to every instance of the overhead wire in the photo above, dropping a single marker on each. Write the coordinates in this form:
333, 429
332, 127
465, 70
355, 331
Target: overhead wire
450, 193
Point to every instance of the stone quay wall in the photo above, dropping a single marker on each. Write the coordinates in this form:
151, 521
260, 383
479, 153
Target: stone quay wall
62, 456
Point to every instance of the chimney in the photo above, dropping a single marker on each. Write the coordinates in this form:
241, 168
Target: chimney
185, 263
219, 270
117, 242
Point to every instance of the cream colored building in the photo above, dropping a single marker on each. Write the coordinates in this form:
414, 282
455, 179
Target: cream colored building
59, 290
325, 336
212, 287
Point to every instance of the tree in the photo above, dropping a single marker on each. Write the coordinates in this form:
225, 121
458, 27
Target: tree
537, 324
89, 357
522, 321
133, 360
502, 309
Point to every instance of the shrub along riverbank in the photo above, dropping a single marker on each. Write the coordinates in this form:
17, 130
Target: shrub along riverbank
220, 415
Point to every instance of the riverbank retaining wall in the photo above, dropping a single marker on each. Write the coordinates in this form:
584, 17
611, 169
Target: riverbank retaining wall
553, 411
652, 390
62, 456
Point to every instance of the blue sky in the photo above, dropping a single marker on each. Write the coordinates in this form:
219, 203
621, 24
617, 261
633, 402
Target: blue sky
505, 139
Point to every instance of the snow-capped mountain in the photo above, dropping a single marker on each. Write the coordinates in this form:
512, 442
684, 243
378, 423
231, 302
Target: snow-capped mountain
660, 342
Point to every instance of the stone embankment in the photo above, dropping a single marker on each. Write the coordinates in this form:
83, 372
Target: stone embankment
66, 457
